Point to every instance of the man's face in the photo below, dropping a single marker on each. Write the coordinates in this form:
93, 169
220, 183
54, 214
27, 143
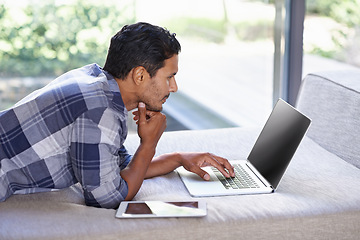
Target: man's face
161, 85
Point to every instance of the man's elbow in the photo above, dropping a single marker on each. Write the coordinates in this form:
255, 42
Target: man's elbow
101, 197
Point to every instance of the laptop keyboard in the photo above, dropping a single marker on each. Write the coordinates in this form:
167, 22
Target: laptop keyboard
241, 180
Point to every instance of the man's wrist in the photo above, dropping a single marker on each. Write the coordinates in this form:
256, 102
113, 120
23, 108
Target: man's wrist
147, 148
148, 144
175, 157
178, 158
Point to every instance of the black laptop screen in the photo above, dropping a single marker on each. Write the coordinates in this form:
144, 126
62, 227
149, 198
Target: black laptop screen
278, 142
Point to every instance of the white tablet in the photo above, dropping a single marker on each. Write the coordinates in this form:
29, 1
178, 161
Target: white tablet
153, 209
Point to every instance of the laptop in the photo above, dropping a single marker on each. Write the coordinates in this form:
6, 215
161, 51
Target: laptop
266, 164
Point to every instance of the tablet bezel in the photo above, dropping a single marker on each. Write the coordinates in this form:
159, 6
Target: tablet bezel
120, 213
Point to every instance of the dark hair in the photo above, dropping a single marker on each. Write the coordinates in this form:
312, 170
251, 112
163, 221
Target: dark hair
140, 44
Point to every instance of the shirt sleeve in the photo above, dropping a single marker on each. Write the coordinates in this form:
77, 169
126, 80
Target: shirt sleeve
125, 157
98, 155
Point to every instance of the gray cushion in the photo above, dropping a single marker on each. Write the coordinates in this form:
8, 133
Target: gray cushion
332, 101
305, 189
309, 189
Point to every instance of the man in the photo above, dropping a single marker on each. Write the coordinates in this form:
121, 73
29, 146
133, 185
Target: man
73, 129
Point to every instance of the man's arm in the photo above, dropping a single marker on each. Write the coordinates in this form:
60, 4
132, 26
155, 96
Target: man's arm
151, 125
94, 150
192, 162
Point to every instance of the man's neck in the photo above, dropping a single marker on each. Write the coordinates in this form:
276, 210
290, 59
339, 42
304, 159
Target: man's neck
128, 93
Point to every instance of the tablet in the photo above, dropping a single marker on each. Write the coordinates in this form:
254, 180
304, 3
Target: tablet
154, 209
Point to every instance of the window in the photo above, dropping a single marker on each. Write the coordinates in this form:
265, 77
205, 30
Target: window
226, 64
331, 35
226, 67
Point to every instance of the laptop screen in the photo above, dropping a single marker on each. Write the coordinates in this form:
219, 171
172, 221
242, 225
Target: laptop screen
278, 141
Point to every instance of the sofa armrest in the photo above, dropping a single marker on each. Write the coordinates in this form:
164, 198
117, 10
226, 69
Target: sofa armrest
332, 100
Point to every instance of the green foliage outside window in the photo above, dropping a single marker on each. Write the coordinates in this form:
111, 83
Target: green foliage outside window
49, 39
343, 11
345, 39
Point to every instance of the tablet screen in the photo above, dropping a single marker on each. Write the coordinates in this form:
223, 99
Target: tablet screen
136, 209
143, 208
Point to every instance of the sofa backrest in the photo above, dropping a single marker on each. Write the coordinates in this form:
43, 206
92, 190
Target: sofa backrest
332, 100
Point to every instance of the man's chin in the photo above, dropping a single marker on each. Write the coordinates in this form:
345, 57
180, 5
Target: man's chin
154, 109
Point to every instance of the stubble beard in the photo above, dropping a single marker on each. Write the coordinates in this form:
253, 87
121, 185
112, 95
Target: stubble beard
154, 109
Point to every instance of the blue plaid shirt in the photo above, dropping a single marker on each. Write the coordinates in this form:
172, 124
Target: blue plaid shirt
70, 131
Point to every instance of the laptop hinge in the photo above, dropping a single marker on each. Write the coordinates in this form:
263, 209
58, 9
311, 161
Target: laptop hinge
258, 175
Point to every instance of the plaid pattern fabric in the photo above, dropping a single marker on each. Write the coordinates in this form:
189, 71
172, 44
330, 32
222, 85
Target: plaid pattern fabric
70, 131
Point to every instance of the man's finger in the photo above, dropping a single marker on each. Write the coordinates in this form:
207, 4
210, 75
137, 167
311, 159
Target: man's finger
197, 170
136, 113
142, 112
225, 164
219, 163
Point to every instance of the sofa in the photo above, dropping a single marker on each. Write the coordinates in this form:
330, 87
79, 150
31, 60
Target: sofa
318, 197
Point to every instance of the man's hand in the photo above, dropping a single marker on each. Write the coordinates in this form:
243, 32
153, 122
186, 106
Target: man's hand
193, 162
151, 125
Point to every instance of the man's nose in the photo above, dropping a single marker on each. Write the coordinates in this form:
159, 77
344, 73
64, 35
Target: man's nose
172, 85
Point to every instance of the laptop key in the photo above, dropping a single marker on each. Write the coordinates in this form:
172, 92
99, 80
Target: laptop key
241, 180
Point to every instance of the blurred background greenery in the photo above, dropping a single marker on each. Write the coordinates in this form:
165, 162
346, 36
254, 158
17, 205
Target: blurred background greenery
346, 35
48, 39
40, 40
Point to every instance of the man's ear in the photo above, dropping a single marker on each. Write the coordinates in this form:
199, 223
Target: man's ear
139, 75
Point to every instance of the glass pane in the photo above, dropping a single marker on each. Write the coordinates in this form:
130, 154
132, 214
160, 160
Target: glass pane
40, 40
331, 35
226, 62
